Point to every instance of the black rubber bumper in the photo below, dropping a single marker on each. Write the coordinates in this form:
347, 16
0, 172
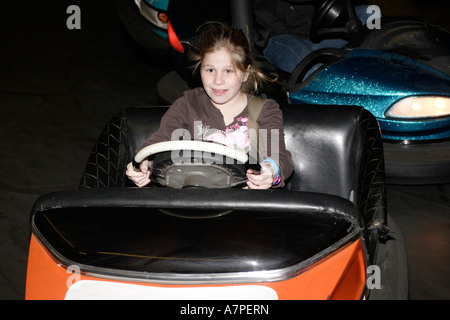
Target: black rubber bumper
417, 164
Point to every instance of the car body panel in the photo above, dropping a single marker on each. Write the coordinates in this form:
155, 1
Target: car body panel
150, 10
376, 80
278, 240
341, 275
158, 4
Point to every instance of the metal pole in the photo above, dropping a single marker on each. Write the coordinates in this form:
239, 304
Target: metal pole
242, 17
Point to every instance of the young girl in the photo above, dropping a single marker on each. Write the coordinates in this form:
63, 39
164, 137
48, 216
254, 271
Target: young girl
218, 111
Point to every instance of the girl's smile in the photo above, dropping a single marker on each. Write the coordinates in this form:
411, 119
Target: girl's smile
218, 92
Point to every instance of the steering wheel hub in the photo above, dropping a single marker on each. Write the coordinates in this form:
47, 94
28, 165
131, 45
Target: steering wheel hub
195, 176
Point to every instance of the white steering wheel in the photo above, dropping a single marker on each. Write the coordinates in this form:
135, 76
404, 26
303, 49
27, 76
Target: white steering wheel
194, 164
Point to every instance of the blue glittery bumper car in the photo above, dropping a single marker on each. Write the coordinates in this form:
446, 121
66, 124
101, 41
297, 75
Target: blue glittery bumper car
399, 71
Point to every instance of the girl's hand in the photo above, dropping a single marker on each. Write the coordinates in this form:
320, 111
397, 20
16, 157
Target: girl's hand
140, 178
262, 180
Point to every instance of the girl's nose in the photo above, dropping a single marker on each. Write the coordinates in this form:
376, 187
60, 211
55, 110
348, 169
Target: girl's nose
218, 79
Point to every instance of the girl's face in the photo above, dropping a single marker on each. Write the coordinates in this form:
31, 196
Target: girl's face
221, 80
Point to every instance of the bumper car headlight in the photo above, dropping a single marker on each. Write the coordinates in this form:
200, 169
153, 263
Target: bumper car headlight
420, 107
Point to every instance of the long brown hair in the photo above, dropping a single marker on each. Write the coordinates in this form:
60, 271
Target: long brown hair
213, 36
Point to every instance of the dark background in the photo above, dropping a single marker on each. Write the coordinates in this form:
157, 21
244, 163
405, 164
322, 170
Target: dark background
59, 87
